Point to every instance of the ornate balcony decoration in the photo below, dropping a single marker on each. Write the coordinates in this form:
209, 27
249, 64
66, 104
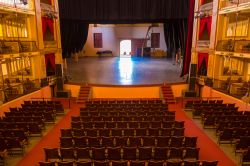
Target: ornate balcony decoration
203, 43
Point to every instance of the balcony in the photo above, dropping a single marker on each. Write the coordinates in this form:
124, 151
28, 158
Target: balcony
232, 6
236, 88
17, 6
14, 47
239, 46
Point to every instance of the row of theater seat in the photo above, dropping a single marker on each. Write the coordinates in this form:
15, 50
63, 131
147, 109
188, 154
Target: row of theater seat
157, 117
131, 163
74, 132
128, 132
124, 153
134, 101
161, 141
127, 124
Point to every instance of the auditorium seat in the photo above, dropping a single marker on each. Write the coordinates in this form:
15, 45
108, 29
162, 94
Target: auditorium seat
145, 153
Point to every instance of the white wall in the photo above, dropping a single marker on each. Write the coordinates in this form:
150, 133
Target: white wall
113, 34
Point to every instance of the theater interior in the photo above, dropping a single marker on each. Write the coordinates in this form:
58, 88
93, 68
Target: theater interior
124, 82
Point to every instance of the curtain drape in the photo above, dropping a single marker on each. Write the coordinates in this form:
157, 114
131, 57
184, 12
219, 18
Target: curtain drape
47, 22
201, 57
74, 35
50, 60
123, 11
187, 57
50, 23
205, 23
175, 32
44, 25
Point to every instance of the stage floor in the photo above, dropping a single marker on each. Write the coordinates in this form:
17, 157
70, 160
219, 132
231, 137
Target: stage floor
123, 71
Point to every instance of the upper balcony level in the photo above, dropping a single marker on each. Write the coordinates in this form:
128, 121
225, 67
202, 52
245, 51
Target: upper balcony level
237, 48
17, 6
232, 6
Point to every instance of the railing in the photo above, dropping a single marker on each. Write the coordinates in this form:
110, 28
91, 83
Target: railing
16, 3
240, 46
231, 3
233, 88
12, 47
11, 90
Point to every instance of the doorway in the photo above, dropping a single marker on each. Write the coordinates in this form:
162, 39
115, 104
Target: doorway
125, 48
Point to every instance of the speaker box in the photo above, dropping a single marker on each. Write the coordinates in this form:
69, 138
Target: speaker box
192, 70
59, 83
192, 82
63, 94
59, 70
190, 94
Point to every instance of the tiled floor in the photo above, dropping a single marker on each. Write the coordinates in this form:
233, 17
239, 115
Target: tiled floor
123, 71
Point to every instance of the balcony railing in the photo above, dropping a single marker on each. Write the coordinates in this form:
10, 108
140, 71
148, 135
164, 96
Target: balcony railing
233, 3
12, 47
13, 88
239, 46
203, 43
235, 88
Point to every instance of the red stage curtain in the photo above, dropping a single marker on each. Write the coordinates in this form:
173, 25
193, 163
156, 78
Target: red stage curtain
205, 23
201, 57
44, 25
46, 59
187, 57
51, 59
50, 23
47, 22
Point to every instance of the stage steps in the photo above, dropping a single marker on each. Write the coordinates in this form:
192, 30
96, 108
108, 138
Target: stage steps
168, 94
83, 94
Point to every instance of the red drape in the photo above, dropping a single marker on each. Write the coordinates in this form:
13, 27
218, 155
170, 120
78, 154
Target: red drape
201, 57
50, 23
187, 57
44, 24
202, 2
50, 58
47, 22
205, 23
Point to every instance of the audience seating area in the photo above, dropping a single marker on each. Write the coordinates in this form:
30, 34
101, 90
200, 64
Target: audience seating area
19, 124
125, 132
231, 126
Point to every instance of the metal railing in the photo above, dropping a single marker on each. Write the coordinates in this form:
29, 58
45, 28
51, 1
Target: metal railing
11, 90
12, 47
234, 88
